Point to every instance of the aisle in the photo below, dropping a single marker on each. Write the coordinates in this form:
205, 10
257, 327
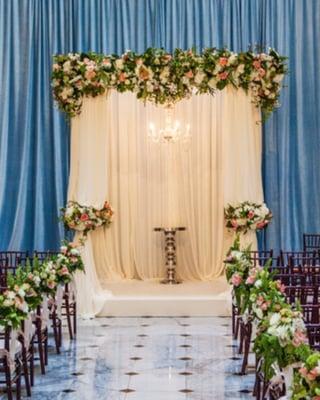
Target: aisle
146, 359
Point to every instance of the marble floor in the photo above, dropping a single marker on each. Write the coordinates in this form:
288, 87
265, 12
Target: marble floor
146, 358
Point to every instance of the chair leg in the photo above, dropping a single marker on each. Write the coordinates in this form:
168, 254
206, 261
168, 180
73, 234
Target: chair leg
247, 340
75, 317
26, 371
55, 331
46, 347
68, 314
8, 380
18, 382
31, 364
241, 338
40, 348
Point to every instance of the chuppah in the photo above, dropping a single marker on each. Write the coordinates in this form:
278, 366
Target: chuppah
118, 106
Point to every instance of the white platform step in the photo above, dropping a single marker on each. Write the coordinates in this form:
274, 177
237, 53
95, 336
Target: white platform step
137, 298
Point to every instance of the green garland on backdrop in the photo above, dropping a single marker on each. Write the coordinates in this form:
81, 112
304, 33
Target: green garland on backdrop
164, 78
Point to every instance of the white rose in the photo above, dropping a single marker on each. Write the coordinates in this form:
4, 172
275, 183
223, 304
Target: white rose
74, 252
232, 59
67, 66
275, 318
278, 78
240, 69
258, 283
199, 77
212, 83
119, 63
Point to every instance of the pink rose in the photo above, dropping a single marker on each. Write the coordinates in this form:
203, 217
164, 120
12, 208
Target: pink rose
56, 67
311, 376
262, 72
250, 280
264, 306
299, 338
316, 398
234, 223
256, 64
84, 217
236, 279
106, 62
223, 75
64, 271
223, 61
250, 214
189, 74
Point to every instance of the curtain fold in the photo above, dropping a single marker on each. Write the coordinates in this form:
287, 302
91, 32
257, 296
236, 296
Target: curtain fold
34, 139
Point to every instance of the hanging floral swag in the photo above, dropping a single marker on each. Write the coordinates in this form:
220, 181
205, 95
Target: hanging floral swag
246, 216
85, 218
163, 78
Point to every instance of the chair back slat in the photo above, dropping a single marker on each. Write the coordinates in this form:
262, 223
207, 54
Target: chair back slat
311, 241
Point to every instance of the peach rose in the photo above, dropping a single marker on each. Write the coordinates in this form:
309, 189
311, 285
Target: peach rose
189, 74
223, 61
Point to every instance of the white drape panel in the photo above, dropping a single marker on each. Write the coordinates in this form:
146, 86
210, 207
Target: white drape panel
153, 185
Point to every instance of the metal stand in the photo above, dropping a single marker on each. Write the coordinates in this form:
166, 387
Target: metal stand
170, 251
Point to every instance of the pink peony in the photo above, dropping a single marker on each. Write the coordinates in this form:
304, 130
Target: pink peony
84, 217
189, 74
223, 61
236, 279
256, 64
223, 75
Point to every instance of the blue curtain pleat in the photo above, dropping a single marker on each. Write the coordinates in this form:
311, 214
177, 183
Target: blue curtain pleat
34, 135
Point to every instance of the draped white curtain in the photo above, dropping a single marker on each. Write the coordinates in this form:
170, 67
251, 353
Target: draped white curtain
151, 185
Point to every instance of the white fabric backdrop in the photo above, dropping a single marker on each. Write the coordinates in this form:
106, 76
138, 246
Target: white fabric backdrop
153, 185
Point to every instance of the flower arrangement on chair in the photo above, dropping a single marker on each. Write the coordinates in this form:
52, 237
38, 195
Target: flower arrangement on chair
246, 216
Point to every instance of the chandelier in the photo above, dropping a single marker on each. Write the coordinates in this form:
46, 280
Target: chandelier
172, 131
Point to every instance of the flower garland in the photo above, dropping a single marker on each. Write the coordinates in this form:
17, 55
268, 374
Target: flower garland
28, 286
246, 216
164, 78
84, 218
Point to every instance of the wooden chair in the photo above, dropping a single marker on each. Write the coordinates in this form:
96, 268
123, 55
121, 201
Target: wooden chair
311, 313
260, 257
311, 242
10, 363
314, 336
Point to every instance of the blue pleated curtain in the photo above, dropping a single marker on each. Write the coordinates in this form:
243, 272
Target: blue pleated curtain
34, 135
